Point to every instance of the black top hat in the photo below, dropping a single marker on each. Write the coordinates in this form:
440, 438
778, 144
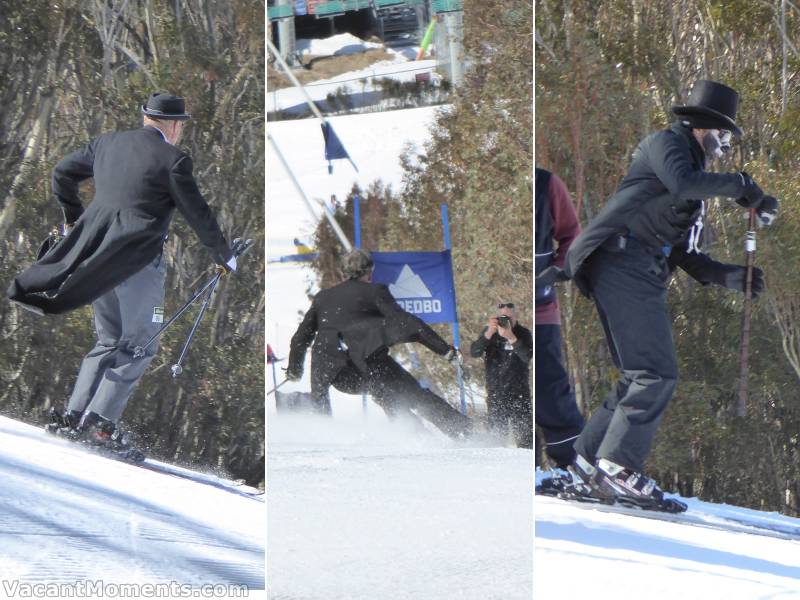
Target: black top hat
711, 105
162, 105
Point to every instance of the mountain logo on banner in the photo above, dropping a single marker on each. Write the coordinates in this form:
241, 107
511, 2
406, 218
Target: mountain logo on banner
409, 285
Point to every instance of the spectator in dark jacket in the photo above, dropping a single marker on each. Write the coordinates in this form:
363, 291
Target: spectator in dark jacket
507, 349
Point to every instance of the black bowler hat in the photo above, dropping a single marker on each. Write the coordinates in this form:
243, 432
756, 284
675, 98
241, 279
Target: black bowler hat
165, 106
711, 105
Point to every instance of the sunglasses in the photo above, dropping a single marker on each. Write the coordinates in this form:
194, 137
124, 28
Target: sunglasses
506, 305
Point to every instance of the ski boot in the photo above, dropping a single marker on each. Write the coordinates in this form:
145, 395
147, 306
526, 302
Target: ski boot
106, 436
576, 482
634, 489
64, 424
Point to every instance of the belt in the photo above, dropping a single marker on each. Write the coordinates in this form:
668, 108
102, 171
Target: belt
619, 242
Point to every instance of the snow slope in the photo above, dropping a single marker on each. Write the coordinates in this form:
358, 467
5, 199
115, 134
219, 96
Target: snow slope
360, 507
374, 142
625, 557
67, 514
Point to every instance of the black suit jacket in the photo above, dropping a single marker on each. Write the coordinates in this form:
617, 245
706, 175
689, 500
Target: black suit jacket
657, 202
140, 180
365, 318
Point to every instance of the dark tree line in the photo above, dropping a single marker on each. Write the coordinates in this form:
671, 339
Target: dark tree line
71, 71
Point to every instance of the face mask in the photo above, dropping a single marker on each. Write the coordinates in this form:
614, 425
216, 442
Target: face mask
716, 143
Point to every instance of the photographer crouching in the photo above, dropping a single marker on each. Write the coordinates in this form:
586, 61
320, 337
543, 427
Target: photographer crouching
507, 349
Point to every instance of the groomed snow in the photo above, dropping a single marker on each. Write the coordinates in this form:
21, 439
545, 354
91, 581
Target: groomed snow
68, 515
581, 552
364, 509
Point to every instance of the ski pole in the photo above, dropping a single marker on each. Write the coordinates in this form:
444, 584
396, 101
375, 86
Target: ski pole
276, 387
740, 407
239, 247
177, 369
138, 352
274, 375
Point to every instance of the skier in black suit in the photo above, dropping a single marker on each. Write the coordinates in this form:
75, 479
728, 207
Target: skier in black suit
353, 325
111, 255
623, 260
140, 178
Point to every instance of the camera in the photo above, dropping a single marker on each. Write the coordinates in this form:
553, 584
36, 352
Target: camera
503, 321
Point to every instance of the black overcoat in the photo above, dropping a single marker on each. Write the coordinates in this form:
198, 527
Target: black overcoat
657, 203
139, 181
365, 318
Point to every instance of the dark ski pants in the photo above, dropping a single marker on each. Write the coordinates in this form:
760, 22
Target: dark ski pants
629, 289
511, 405
393, 389
557, 413
124, 318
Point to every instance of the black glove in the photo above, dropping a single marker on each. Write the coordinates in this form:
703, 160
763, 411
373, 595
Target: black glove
550, 276
752, 194
294, 373
734, 277
767, 210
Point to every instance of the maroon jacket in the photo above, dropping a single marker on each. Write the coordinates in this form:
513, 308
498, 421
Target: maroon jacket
566, 228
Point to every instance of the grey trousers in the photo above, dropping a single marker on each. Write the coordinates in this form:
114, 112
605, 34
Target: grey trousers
629, 289
124, 318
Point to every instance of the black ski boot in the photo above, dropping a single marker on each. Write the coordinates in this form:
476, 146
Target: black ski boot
64, 424
576, 482
634, 489
105, 435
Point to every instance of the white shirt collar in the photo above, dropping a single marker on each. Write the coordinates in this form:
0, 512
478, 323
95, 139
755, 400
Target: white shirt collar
164, 137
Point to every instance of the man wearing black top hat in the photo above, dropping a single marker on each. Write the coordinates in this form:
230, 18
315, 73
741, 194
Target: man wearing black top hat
111, 255
623, 260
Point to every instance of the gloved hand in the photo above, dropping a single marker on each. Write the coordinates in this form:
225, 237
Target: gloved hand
752, 194
454, 356
734, 277
228, 267
294, 373
767, 211
550, 276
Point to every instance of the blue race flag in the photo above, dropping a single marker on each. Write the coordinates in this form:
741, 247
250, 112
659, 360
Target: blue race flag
421, 282
334, 149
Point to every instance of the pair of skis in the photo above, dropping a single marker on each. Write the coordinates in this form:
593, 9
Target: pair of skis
694, 518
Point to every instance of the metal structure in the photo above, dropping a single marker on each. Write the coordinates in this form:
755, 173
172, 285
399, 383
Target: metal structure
396, 21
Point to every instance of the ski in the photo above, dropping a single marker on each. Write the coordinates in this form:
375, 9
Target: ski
137, 458
204, 478
695, 519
